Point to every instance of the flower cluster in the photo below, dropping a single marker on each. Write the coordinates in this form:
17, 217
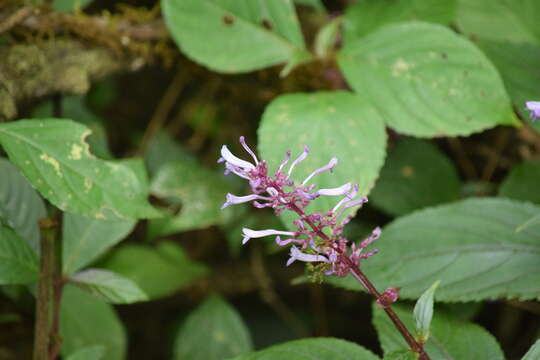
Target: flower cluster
534, 107
318, 236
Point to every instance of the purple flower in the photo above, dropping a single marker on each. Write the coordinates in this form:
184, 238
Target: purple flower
534, 107
280, 192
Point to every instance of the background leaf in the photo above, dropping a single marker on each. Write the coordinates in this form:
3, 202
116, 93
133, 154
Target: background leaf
492, 19
53, 155
69, 5
415, 175
472, 246
522, 182
533, 353
336, 124
84, 239
401, 355
87, 321
166, 267
235, 36
365, 16
213, 331
426, 80
20, 205
199, 191
307, 349
449, 339
88, 353
18, 262
108, 286
315, 4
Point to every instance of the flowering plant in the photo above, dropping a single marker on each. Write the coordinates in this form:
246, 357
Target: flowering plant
319, 236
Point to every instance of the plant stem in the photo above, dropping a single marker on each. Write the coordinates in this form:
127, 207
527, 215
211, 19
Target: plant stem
415, 346
45, 284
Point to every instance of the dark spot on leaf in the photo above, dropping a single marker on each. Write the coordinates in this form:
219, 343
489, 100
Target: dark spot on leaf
227, 19
444, 55
468, 118
465, 73
482, 93
266, 24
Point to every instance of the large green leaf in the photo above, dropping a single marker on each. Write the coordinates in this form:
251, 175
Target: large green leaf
213, 331
450, 338
235, 36
336, 124
522, 182
472, 246
84, 239
366, 16
18, 262
162, 150
312, 349
200, 192
415, 175
87, 321
20, 205
108, 286
426, 81
500, 20
54, 157
519, 65
158, 271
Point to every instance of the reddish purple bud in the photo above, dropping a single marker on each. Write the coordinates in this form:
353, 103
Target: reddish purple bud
388, 297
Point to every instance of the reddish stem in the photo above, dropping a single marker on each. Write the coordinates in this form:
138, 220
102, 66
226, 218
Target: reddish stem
364, 281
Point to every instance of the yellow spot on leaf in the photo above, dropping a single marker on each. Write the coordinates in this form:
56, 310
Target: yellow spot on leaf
219, 336
53, 162
76, 152
407, 171
100, 216
400, 67
88, 184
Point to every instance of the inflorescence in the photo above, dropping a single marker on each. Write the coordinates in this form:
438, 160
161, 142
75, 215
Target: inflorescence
318, 236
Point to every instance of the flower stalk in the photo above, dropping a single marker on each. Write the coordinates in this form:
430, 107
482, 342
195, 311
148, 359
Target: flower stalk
311, 243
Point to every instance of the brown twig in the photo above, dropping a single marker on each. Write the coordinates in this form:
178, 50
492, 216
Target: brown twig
43, 297
269, 296
163, 109
494, 155
16, 18
462, 158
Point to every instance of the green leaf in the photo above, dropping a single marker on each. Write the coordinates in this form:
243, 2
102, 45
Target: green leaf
87, 321
166, 268
312, 349
472, 246
163, 150
235, 36
401, 355
74, 107
332, 124
108, 286
213, 331
200, 191
500, 20
84, 239
534, 352
69, 5
423, 312
20, 205
18, 262
54, 157
426, 81
95, 352
450, 338
326, 38
519, 65
367, 16
412, 167
522, 182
